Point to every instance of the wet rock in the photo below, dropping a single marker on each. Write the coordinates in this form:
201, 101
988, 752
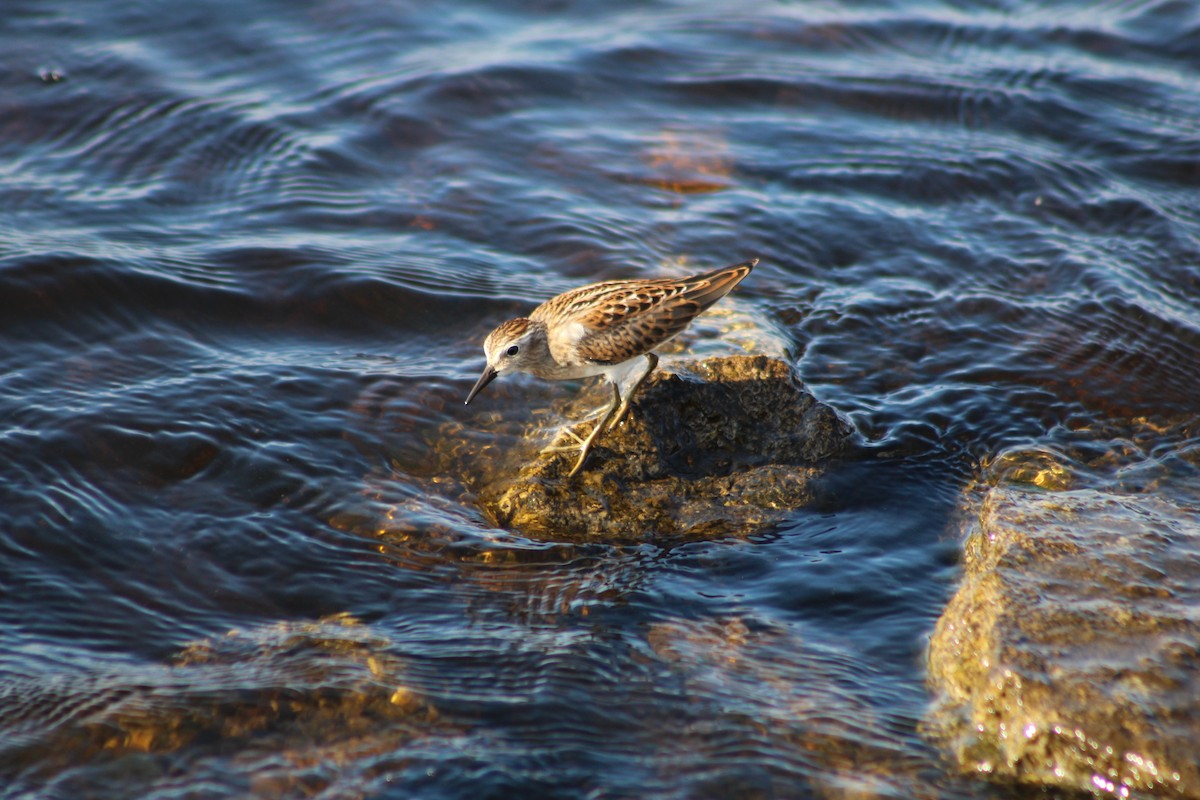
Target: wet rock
1070, 655
719, 446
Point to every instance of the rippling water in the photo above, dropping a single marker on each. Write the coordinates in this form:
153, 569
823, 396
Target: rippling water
248, 252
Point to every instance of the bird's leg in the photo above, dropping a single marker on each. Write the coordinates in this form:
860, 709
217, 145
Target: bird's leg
600, 426
653, 359
567, 429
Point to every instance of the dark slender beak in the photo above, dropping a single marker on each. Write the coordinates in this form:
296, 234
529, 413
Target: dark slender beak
487, 377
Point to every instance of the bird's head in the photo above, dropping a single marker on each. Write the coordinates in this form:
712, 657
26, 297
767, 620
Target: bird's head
507, 349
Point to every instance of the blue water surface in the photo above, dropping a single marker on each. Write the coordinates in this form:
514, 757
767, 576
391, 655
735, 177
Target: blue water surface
248, 254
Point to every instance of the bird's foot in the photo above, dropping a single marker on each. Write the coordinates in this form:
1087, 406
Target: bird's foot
584, 446
554, 447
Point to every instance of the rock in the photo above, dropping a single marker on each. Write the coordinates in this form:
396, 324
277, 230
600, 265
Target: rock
1070, 655
719, 446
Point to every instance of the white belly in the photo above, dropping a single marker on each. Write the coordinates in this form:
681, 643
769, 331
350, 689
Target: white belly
616, 373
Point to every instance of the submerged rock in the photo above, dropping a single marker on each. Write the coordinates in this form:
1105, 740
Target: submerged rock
298, 707
777, 690
1070, 655
723, 445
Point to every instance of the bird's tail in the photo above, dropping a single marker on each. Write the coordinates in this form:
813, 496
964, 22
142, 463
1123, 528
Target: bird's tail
710, 287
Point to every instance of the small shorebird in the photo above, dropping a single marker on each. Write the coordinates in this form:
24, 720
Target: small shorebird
602, 329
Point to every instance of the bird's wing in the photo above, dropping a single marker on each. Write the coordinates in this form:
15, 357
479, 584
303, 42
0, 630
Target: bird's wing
616, 321
629, 324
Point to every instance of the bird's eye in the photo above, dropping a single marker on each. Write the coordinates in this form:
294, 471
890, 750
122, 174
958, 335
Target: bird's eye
512, 351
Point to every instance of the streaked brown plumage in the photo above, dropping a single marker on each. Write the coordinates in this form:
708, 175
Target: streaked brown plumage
602, 329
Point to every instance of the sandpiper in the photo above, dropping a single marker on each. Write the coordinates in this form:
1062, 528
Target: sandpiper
602, 329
